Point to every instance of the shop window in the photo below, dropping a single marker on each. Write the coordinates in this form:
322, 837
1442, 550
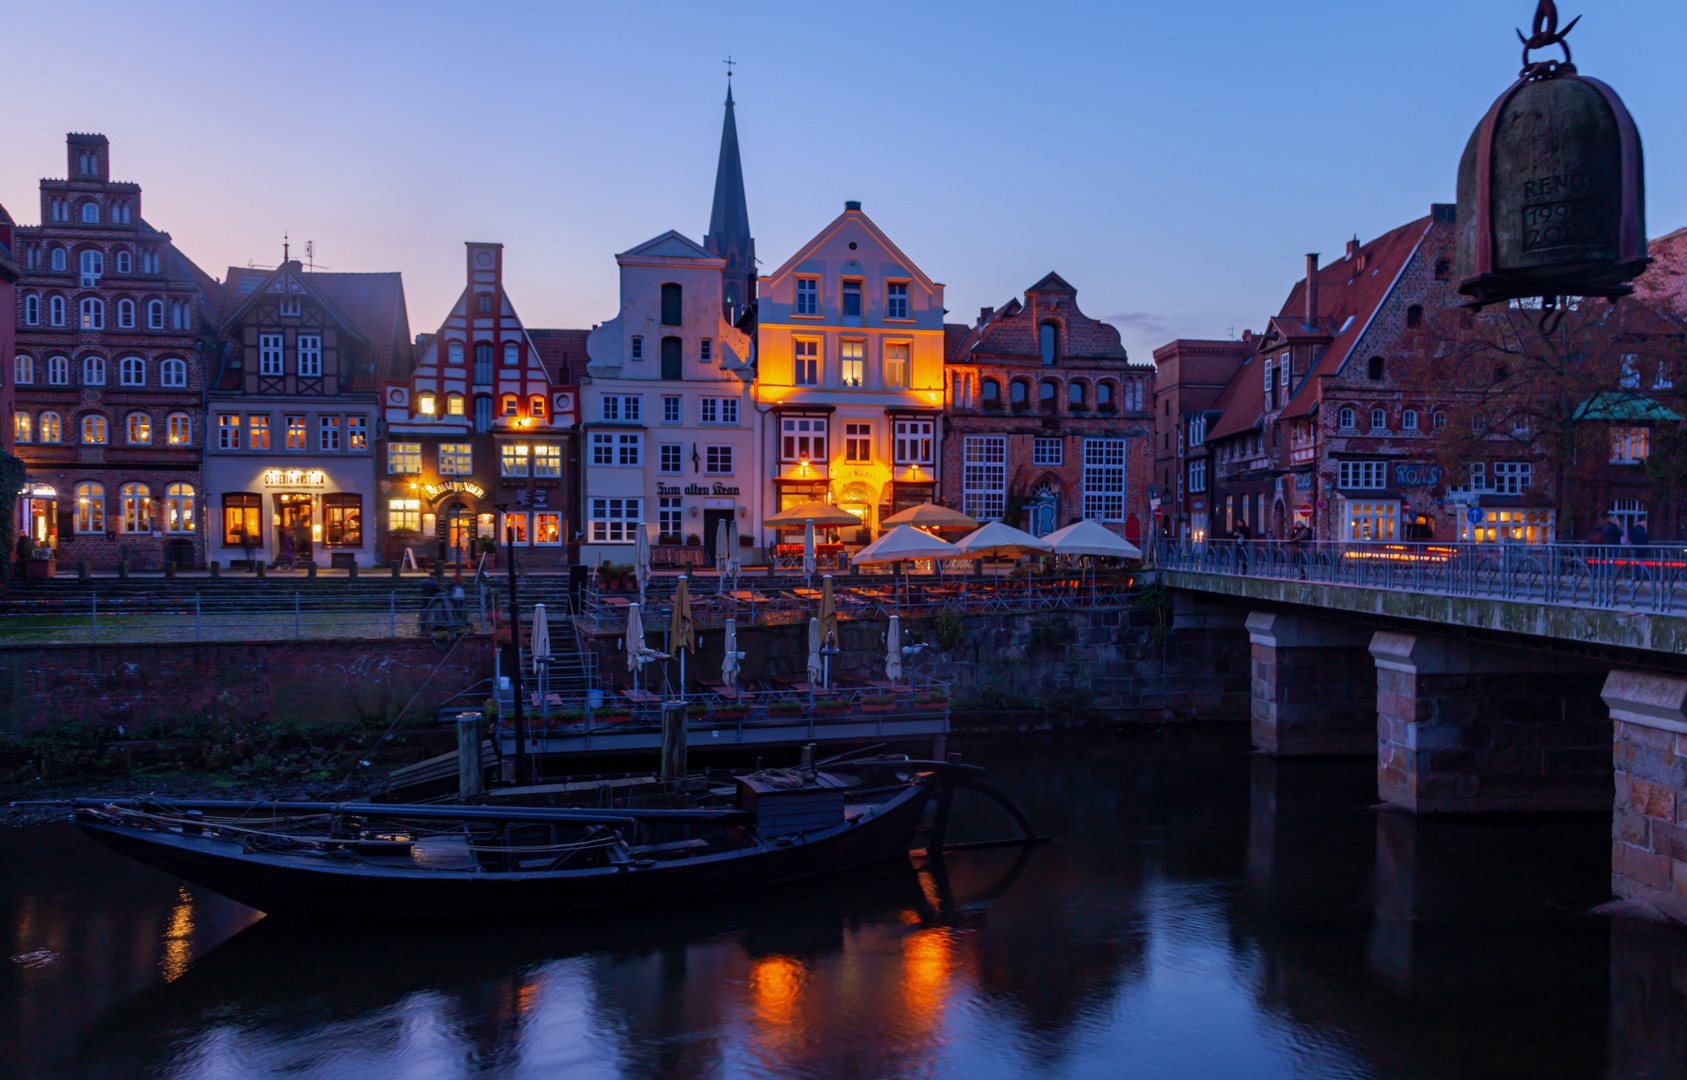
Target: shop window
404, 514
515, 530
179, 514
257, 432
342, 524
547, 528
243, 520
1372, 520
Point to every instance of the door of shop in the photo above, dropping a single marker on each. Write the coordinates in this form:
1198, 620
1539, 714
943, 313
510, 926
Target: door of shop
457, 529
296, 520
711, 525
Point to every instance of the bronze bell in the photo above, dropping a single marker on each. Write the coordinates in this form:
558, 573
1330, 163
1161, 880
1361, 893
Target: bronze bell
1551, 188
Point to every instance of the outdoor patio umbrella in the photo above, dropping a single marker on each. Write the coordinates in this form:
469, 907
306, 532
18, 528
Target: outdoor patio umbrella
828, 622
813, 512
730, 658
721, 552
682, 633
931, 516
641, 556
893, 649
1000, 539
809, 562
539, 644
732, 546
635, 640
813, 651
905, 542
1089, 537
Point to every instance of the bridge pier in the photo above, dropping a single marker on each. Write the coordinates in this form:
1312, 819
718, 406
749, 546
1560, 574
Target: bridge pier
1312, 686
1649, 823
1463, 726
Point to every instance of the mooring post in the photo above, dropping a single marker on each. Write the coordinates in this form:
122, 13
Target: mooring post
196, 616
471, 777
94, 612
673, 740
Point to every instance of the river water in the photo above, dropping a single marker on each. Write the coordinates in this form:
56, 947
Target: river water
1204, 912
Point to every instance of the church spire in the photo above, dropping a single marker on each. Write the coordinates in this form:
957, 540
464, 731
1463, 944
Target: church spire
729, 222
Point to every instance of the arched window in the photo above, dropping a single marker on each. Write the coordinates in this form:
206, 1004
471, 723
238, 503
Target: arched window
453, 404
58, 258
509, 405
1018, 392
90, 507
125, 263
1103, 393
179, 429
1414, 317
93, 267
21, 429
1348, 418
1379, 420
136, 516
1048, 395
93, 313
131, 371
673, 306
172, 372
31, 310
536, 406
48, 429
93, 371
55, 311
1374, 369
454, 352
483, 364
1443, 269
178, 508
1409, 420
989, 390
181, 317
126, 314
1438, 421
93, 429
425, 403
512, 354
1075, 394
1048, 340
58, 371
23, 370
155, 314
483, 414
90, 213
140, 428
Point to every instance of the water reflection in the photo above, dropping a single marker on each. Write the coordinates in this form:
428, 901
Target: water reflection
1204, 912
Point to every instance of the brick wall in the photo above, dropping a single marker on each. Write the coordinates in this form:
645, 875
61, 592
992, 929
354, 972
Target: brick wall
311, 682
1649, 831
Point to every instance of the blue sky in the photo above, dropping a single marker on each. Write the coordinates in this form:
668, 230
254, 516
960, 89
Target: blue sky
1174, 161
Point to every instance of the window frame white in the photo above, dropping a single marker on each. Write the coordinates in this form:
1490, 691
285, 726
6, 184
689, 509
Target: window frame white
1106, 463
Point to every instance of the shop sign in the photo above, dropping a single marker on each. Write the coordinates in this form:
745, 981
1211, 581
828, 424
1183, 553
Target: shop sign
1416, 474
696, 489
295, 477
434, 491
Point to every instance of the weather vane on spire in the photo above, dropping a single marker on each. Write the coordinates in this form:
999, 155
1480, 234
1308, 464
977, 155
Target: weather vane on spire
730, 64
286, 252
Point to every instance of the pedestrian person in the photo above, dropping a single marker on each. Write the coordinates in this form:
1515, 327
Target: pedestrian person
1612, 534
25, 552
246, 547
1640, 539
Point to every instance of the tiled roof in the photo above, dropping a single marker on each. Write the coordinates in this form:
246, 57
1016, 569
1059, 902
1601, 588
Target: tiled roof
1666, 279
372, 305
563, 352
955, 335
1350, 289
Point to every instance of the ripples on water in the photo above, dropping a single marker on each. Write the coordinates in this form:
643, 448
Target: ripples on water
1205, 913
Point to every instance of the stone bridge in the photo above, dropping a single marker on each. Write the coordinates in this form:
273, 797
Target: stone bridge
1479, 682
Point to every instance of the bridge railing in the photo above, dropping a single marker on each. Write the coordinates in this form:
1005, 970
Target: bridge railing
1651, 578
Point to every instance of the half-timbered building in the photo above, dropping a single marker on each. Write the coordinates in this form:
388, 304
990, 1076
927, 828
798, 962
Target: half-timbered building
290, 460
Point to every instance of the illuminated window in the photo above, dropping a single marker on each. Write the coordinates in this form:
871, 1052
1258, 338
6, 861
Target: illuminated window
178, 428
257, 432
140, 428
456, 459
49, 427
1629, 445
342, 519
21, 428
404, 458
404, 514
514, 460
178, 508
1372, 520
547, 460
547, 528
90, 508
852, 365
453, 405
93, 429
425, 404
328, 432
807, 357
896, 365
510, 405
136, 518
297, 437
536, 407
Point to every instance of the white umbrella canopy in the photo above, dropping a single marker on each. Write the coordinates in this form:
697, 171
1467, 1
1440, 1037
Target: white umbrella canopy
905, 542
729, 660
997, 538
893, 649
1089, 537
813, 651
721, 552
809, 562
813, 512
932, 516
539, 644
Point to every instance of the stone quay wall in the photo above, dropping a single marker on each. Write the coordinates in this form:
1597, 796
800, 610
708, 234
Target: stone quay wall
309, 682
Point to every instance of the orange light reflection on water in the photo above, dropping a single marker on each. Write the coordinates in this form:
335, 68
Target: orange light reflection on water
178, 939
926, 965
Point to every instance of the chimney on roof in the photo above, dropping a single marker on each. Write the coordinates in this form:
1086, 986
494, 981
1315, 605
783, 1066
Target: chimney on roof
1312, 288
984, 314
1353, 245
852, 204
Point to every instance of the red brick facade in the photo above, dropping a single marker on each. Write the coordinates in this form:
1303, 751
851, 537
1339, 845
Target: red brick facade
1047, 420
108, 373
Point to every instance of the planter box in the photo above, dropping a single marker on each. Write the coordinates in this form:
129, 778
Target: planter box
40, 569
888, 706
613, 718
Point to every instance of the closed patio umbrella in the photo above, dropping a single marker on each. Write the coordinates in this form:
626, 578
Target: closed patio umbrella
721, 552
682, 634
931, 516
729, 659
539, 644
635, 638
813, 651
893, 649
809, 561
828, 621
1001, 540
641, 556
732, 546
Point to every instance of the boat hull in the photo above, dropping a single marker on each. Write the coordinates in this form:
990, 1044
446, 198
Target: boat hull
308, 885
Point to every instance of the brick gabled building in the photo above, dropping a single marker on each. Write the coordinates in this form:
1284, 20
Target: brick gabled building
109, 362
10, 272
483, 421
1047, 419
291, 434
1189, 378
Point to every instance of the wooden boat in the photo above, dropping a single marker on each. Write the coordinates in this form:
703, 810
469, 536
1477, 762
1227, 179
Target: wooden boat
395, 860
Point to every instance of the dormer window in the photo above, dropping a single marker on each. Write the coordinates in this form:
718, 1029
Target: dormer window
536, 407
425, 404
290, 305
453, 405
510, 405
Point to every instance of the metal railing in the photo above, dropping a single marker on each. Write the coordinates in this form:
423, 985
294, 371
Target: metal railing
193, 617
774, 599
1651, 578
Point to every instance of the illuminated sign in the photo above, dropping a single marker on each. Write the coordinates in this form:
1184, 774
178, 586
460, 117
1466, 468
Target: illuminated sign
434, 491
295, 477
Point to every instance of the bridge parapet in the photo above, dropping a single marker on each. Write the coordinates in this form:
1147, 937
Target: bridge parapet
1649, 827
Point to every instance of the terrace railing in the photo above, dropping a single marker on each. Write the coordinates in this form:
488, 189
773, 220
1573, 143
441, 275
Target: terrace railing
1651, 578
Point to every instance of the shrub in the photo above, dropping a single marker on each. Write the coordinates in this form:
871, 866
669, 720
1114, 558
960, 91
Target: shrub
950, 629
